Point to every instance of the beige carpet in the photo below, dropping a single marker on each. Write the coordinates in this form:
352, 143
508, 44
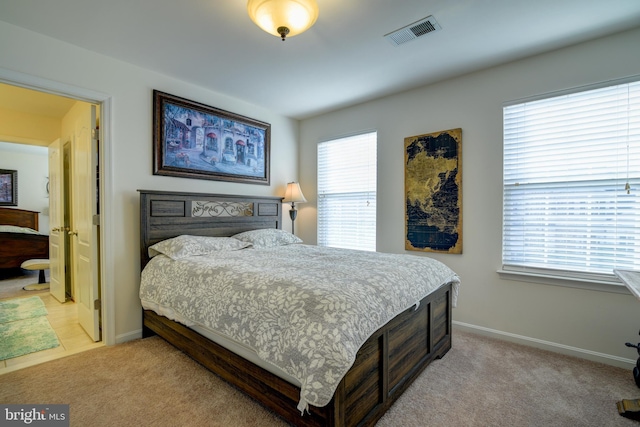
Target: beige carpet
480, 382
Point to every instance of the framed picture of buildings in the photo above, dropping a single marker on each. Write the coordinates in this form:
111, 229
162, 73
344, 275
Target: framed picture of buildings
193, 140
8, 187
433, 192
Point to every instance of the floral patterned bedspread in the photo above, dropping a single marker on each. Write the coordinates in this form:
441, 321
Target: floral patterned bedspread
306, 309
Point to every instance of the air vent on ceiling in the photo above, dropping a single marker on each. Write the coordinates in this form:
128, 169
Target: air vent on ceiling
413, 31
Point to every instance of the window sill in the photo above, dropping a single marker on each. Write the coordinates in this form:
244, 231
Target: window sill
613, 286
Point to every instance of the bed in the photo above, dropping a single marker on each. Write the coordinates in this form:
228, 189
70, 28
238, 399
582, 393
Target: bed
19, 238
385, 364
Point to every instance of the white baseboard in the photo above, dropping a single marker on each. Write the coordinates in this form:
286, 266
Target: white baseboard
129, 336
607, 359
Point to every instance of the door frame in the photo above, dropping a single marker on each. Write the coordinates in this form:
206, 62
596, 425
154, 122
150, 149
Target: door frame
106, 257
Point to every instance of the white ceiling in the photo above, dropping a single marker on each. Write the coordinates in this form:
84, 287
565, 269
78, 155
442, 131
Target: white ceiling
342, 60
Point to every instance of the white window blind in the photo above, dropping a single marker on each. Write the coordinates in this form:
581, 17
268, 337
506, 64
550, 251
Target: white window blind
347, 169
568, 161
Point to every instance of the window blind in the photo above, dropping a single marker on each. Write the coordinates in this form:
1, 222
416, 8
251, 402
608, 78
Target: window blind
571, 183
347, 170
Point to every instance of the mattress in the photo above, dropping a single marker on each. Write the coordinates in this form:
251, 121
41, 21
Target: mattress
17, 229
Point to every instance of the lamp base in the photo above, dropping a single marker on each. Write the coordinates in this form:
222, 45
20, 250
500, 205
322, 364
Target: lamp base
293, 213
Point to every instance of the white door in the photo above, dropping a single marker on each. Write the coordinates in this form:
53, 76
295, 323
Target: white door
84, 217
56, 222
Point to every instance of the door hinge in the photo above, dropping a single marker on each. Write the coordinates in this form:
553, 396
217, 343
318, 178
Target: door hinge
97, 304
96, 220
94, 133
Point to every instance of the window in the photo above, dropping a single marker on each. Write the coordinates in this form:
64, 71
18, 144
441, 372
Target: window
572, 184
347, 192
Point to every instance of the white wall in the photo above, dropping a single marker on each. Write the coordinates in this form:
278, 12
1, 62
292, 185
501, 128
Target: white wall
130, 89
597, 322
32, 164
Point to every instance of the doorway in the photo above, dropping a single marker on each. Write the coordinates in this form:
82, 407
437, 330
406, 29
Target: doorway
69, 290
62, 318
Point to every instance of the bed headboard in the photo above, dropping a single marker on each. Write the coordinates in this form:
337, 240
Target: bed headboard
169, 214
19, 217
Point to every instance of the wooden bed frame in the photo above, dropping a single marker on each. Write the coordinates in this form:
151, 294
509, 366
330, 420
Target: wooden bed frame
389, 361
16, 248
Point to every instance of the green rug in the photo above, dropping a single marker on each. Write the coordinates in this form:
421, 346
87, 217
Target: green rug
21, 308
26, 336
24, 327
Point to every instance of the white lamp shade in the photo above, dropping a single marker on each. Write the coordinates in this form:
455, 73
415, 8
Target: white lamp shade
293, 194
297, 15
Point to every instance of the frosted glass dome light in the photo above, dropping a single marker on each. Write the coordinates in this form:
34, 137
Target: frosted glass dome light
283, 18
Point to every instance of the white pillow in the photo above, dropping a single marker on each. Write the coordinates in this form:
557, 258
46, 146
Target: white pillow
267, 238
186, 246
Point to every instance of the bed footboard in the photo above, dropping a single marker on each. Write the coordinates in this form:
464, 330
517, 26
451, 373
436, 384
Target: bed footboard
388, 362
393, 357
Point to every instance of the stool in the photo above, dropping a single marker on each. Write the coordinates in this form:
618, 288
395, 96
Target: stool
37, 264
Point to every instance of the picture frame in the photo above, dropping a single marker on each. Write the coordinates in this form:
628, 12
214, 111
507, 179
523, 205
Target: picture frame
8, 187
433, 192
194, 140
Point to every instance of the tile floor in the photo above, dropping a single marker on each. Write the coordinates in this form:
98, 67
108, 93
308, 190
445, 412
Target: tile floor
64, 321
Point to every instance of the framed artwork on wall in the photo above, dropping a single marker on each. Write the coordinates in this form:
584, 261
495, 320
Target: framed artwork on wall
8, 187
433, 192
193, 140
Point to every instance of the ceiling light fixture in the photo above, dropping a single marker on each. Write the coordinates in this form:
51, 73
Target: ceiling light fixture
283, 18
